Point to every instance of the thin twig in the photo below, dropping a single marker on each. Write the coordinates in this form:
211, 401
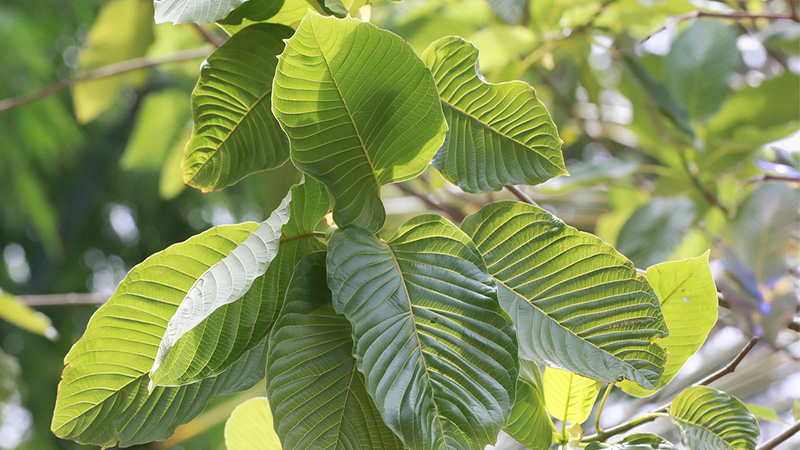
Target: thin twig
736, 15
731, 365
103, 72
789, 432
63, 299
521, 196
602, 405
772, 177
451, 211
209, 36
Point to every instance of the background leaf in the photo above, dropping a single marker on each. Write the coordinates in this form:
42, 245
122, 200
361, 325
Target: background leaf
16, 312
635, 442
711, 419
508, 10
356, 122
318, 396
250, 427
235, 133
569, 397
529, 424
655, 230
436, 349
159, 125
575, 301
499, 133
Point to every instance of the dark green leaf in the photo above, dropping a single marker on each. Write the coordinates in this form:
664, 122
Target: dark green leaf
529, 424
711, 419
659, 94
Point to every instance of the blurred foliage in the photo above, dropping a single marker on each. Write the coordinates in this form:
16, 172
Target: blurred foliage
659, 137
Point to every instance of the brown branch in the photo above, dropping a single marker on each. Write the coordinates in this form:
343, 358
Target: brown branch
63, 299
103, 72
772, 177
789, 432
731, 365
521, 196
209, 36
736, 15
454, 213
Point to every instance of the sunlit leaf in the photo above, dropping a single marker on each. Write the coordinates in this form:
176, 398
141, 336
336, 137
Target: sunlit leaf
251, 11
529, 424
194, 11
16, 312
569, 397
159, 125
655, 230
711, 419
250, 427
763, 413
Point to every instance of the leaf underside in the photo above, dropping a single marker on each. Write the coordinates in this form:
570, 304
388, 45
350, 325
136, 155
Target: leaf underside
529, 423
709, 419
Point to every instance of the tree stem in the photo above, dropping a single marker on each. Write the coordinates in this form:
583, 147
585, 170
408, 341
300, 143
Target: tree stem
789, 432
521, 196
736, 15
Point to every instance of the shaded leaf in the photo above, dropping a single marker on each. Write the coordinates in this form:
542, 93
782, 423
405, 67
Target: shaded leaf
249, 12
576, 302
250, 427
16, 312
436, 349
655, 230
760, 107
569, 397
356, 122
711, 419
235, 133
499, 133
642, 441
318, 396
529, 424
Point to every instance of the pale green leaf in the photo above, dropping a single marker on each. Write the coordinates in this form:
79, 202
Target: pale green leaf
170, 182
103, 397
700, 64
16, 312
569, 397
576, 302
499, 133
763, 413
356, 122
655, 230
250, 427
10, 378
193, 11
159, 125
436, 349
318, 396
508, 10
221, 336
635, 442
709, 419
529, 424
235, 133
688, 299
123, 30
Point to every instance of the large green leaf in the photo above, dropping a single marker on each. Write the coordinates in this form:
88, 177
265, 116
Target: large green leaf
250, 427
576, 302
635, 442
529, 424
655, 230
16, 312
235, 133
699, 65
221, 337
194, 11
318, 396
709, 419
499, 133
437, 351
103, 397
569, 397
688, 299
355, 121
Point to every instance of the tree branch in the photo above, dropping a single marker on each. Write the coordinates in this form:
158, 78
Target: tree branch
772, 177
209, 36
731, 365
103, 72
521, 196
454, 213
63, 299
736, 15
789, 432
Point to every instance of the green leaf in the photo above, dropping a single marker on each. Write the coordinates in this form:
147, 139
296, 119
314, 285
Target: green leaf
655, 230
644, 441
318, 396
499, 133
159, 125
699, 65
436, 349
250, 427
576, 302
123, 30
659, 93
763, 413
356, 122
688, 299
16, 312
194, 11
529, 424
569, 397
508, 10
711, 419
235, 133
10, 378
103, 397
250, 12
221, 336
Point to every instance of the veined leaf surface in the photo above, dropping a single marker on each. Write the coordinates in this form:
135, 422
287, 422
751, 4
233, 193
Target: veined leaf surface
235, 133
688, 299
529, 424
318, 396
709, 419
356, 121
194, 11
576, 302
499, 133
103, 397
569, 397
250, 427
222, 336
437, 351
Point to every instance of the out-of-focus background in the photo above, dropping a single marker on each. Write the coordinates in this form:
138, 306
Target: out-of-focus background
685, 142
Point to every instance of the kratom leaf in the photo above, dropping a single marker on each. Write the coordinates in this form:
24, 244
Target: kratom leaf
709, 419
16, 312
194, 11
318, 396
688, 299
251, 11
529, 424
643, 441
356, 122
499, 133
576, 302
655, 230
699, 65
103, 397
437, 351
235, 133
569, 397
508, 10
763, 413
250, 427
160, 122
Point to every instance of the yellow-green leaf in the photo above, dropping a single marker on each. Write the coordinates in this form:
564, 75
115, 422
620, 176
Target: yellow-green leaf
569, 397
16, 312
250, 427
